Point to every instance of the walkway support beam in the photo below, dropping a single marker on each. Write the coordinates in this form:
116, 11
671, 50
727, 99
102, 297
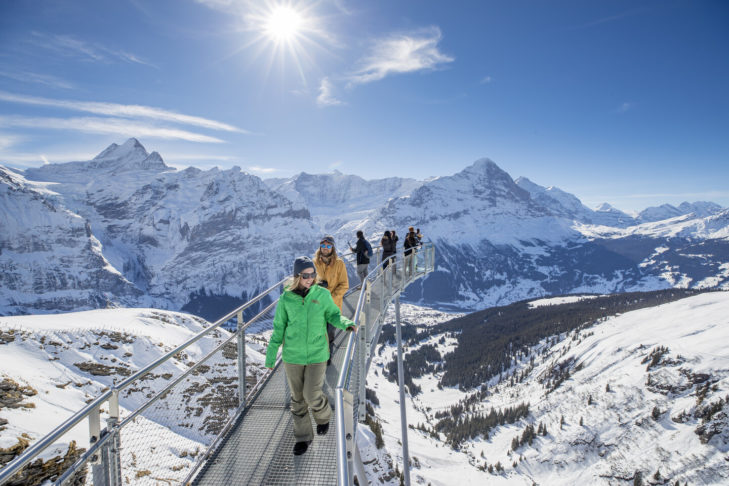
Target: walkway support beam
401, 382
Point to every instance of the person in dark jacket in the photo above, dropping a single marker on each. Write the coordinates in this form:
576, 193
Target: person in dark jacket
388, 249
395, 239
363, 249
411, 243
300, 325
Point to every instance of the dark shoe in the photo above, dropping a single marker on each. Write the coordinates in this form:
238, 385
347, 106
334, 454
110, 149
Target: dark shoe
301, 447
322, 429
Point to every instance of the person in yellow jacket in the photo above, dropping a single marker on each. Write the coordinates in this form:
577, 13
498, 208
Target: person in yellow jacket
332, 275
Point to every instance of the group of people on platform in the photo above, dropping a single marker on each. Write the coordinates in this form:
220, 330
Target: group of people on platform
307, 314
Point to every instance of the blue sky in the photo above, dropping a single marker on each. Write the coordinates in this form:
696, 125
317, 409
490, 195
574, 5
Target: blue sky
619, 101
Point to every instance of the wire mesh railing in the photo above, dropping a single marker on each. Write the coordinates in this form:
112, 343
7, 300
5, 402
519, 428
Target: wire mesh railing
161, 420
381, 286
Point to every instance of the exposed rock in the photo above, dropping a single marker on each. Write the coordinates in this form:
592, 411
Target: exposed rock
12, 394
39, 471
7, 336
98, 369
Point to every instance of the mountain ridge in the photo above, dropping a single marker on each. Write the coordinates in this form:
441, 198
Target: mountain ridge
193, 239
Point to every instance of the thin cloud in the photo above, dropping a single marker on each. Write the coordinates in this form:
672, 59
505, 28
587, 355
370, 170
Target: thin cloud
116, 126
486, 80
44, 79
688, 195
7, 141
326, 96
402, 53
70, 46
626, 106
261, 170
119, 110
612, 18
24, 160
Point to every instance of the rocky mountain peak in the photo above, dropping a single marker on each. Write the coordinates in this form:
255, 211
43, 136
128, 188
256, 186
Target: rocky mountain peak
130, 155
129, 149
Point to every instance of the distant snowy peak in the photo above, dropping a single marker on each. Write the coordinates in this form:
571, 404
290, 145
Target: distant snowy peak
559, 202
606, 215
482, 186
700, 209
129, 149
131, 156
337, 189
483, 181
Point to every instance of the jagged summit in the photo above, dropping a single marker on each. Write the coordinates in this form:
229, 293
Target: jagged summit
131, 147
130, 155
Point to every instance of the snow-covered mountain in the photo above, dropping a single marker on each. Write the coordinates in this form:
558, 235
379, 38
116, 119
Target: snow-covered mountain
643, 394
337, 200
500, 241
125, 229
159, 237
700, 209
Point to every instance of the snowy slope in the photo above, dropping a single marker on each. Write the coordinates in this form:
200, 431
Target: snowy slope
627, 406
63, 361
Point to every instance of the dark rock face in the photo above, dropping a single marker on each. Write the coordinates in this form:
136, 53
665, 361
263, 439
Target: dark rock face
39, 471
12, 394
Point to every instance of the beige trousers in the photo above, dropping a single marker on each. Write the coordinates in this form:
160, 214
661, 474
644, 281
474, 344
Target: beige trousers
305, 383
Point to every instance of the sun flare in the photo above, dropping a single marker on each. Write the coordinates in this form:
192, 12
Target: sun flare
283, 24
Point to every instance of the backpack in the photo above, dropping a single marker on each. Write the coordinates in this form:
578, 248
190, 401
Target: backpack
369, 248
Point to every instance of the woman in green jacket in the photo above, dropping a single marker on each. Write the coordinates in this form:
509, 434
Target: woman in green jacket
300, 324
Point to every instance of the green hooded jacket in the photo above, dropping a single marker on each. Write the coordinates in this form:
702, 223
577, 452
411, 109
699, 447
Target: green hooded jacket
300, 324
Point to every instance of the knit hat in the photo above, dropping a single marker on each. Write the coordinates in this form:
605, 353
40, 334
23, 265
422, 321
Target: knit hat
328, 239
302, 263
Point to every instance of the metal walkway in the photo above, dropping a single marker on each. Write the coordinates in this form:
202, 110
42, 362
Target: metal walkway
258, 449
203, 421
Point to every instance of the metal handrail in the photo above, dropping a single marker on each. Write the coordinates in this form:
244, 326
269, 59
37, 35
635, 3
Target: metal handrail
342, 458
36, 449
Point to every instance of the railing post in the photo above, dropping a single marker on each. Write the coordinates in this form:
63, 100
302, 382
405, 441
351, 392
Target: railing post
241, 362
363, 350
114, 448
345, 448
98, 464
401, 382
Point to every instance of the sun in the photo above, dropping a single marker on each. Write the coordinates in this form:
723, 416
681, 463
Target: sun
284, 24
287, 34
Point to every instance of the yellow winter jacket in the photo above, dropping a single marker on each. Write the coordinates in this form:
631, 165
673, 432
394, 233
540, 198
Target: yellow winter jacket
335, 273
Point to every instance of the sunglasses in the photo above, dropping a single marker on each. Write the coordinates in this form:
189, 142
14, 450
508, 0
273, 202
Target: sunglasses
307, 276
325, 246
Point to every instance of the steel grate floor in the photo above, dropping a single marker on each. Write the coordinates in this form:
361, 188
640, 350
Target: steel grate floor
258, 448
